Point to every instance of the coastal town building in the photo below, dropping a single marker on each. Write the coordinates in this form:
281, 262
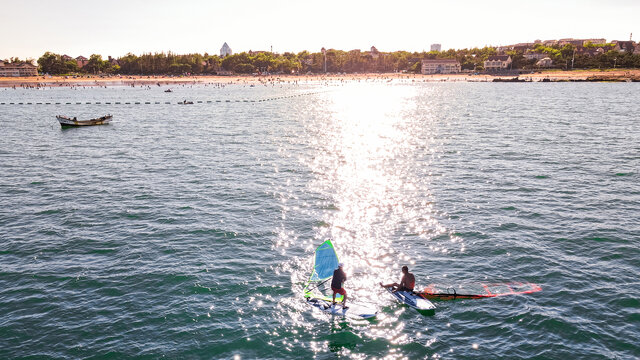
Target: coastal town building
624, 46
17, 69
544, 63
225, 50
440, 66
570, 41
66, 58
522, 46
81, 61
374, 52
498, 63
113, 61
436, 47
534, 55
593, 41
590, 51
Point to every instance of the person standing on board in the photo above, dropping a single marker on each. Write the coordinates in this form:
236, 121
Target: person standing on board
339, 277
407, 283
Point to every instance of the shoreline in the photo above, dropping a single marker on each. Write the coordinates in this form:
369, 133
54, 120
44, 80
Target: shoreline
543, 76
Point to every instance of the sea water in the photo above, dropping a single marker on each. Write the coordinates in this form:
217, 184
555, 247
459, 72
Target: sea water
187, 231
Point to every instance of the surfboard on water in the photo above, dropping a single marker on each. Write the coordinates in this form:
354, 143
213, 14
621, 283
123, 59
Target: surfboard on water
478, 291
411, 299
325, 261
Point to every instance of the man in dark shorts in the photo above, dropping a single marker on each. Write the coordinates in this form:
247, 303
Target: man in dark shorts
339, 278
407, 283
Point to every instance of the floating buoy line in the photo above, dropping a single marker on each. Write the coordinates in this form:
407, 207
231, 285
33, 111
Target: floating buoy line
161, 102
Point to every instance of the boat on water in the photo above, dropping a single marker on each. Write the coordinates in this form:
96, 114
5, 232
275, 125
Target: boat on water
185, 102
325, 262
68, 121
168, 90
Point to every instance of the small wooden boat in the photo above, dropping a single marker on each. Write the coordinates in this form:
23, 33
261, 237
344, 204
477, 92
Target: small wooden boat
67, 121
168, 90
185, 102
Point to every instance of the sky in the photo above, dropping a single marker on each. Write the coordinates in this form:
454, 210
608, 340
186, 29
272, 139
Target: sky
117, 27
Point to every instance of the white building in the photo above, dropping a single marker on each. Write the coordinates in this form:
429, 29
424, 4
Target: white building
546, 62
440, 66
436, 47
225, 50
497, 62
17, 69
535, 55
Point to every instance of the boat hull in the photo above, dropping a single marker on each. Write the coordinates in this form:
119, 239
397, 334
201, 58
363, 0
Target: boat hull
66, 122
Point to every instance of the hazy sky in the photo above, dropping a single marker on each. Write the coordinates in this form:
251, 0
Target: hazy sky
116, 27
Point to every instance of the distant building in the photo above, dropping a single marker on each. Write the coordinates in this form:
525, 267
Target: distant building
436, 47
66, 57
545, 63
440, 66
590, 51
225, 50
624, 46
374, 52
522, 46
570, 41
81, 61
594, 41
534, 55
17, 69
113, 61
497, 63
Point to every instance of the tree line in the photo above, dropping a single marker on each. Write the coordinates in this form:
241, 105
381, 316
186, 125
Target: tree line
336, 61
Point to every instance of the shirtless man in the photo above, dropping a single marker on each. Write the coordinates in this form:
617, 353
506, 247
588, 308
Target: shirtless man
407, 283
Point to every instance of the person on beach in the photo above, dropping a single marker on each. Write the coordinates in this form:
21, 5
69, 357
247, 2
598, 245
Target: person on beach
339, 277
407, 283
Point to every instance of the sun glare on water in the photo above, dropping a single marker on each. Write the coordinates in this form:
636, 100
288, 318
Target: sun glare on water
372, 166
369, 148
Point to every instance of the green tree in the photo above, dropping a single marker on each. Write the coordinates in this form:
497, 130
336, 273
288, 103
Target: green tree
95, 64
51, 63
244, 68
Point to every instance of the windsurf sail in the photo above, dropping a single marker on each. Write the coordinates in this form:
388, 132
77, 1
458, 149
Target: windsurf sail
325, 262
478, 291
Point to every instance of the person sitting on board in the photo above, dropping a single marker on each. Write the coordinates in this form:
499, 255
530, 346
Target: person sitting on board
407, 283
339, 277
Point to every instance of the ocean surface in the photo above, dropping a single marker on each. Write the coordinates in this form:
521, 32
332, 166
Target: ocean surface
187, 231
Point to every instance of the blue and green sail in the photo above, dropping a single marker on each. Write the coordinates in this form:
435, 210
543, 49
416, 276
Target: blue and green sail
325, 262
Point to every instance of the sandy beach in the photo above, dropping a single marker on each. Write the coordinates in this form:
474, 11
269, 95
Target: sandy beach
91, 80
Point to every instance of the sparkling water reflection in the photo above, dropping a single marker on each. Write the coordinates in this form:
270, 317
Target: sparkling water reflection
187, 231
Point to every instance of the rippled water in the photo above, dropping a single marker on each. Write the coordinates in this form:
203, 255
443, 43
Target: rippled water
186, 231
